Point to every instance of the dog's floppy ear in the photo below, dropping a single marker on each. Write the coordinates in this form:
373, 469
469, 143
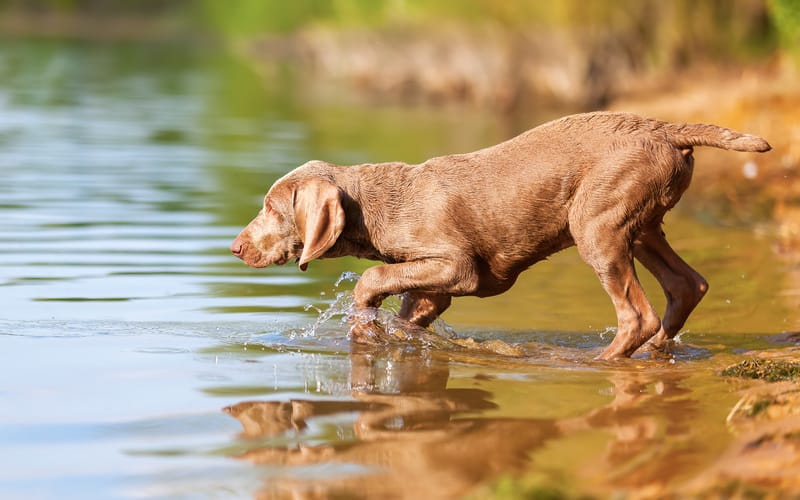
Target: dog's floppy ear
319, 217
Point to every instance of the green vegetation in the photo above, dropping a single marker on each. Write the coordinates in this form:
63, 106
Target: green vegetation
532, 487
764, 369
746, 19
785, 15
148, 8
657, 33
666, 32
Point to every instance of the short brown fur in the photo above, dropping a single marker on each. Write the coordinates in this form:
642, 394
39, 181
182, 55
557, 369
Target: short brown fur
468, 224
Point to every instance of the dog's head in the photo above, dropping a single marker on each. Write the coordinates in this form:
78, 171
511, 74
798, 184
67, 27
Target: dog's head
301, 219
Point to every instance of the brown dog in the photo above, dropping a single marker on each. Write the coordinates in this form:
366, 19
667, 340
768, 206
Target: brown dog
468, 224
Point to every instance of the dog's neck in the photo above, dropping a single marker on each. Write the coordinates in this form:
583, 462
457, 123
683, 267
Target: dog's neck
360, 234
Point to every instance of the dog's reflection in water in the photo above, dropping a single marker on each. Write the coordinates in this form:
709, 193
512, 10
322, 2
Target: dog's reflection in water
416, 438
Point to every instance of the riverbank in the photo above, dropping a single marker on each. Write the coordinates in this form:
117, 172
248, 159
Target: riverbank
485, 65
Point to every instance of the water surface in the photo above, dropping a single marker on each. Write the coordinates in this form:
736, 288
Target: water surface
140, 359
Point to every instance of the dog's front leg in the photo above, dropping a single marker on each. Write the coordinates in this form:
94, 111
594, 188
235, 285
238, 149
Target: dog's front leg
430, 283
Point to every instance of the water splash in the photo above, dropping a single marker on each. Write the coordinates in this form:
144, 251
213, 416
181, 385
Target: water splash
390, 329
341, 307
347, 276
341, 313
610, 330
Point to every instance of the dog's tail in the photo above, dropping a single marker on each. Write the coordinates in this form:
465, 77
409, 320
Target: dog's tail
699, 134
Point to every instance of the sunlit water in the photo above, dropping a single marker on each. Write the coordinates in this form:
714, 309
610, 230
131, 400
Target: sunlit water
139, 359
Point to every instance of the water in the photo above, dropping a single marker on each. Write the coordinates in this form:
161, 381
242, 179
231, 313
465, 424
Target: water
140, 359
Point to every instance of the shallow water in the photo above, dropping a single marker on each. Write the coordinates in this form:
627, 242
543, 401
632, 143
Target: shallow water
140, 359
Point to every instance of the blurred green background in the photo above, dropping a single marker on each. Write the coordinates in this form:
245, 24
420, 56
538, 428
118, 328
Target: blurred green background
667, 30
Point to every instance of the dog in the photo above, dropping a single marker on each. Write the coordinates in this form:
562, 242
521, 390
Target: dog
469, 224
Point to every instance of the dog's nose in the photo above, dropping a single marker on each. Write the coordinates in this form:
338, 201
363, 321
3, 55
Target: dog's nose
236, 248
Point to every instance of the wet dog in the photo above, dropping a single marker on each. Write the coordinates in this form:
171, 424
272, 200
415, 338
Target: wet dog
469, 224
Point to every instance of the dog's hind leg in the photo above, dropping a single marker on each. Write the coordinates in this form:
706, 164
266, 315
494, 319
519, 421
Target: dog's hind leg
637, 321
607, 248
603, 227
683, 286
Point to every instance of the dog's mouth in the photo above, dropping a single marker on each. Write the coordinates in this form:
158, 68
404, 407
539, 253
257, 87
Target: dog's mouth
284, 258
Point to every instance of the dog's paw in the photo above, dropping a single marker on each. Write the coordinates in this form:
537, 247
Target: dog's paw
366, 332
406, 330
373, 333
659, 344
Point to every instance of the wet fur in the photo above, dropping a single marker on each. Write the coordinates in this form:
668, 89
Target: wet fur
468, 224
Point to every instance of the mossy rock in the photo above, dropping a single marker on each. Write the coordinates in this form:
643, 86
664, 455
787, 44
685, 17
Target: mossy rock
765, 369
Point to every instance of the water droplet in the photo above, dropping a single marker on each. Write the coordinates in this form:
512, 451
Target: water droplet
347, 276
